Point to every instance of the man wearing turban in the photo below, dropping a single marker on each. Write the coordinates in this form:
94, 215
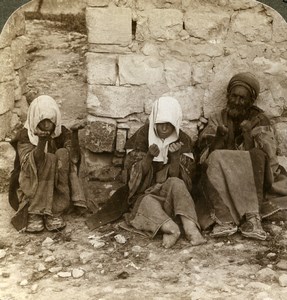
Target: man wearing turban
238, 165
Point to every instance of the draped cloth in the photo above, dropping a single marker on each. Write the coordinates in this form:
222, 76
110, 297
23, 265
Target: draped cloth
234, 181
49, 188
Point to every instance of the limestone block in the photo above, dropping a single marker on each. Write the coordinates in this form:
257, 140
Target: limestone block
200, 72
121, 140
58, 7
6, 96
109, 25
18, 52
116, 102
98, 3
7, 70
167, 3
104, 48
6, 164
5, 127
139, 69
190, 128
150, 49
191, 101
102, 69
211, 50
22, 72
242, 4
207, 25
254, 26
279, 32
271, 66
281, 137
159, 24
19, 22
100, 134
22, 105
177, 73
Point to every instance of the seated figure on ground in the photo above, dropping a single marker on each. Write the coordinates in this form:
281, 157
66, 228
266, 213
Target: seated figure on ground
159, 169
45, 183
240, 178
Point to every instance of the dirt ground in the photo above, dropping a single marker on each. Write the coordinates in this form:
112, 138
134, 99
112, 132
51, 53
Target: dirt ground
112, 263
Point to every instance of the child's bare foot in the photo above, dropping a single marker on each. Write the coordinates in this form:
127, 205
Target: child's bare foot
192, 233
171, 233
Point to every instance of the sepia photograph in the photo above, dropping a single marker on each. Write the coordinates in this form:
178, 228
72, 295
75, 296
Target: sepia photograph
143, 149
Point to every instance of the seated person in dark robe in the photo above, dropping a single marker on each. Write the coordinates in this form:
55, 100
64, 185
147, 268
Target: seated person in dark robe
158, 167
238, 165
45, 183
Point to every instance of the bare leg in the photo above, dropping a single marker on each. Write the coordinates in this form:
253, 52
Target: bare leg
192, 233
171, 233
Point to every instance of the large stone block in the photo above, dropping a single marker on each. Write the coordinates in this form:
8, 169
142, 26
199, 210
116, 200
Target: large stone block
57, 7
18, 52
281, 137
159, 24
139, 69
5, 121
102, 69
100, 134
7, 67
191, 101
253, 25
116, 102
177, 73
6, 164
207, 25
242, 4
98, 3
109, 25
6, 96
121, 140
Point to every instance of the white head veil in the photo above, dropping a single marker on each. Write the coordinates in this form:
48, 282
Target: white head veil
43, 107
164, 110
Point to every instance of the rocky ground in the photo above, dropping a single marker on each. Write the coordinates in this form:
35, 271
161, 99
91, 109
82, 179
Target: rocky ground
113, 263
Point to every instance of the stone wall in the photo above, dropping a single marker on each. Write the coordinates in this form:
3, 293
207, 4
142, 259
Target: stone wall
141, 50
13, 105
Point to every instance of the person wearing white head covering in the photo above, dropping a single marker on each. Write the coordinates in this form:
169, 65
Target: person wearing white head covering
44, 176
159, 168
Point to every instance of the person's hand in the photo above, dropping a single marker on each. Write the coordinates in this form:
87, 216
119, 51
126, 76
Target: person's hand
153, 150
174, 147
79, 125
221, 131
246, 126
42, 134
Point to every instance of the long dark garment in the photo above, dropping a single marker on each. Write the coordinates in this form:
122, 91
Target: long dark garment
52, 188
155, 198
232, 181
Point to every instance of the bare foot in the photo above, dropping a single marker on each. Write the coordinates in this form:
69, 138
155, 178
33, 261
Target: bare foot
192, 233
171, 233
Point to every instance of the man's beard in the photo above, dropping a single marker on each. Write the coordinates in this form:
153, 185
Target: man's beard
237, 112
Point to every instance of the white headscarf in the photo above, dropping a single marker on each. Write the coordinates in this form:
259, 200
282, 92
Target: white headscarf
43, 107
164, 110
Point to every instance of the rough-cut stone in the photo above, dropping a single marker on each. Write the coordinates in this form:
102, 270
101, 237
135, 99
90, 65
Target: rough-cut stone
18, 52
267, 275
104, 48
207, 25
100, 134
6, 96
139, 69
7, 67
102, 69
116, 102
6, 164
283, 280
190, 99
253, 25
98, 3
121, 140
159, 24
177, 73
105, 28
242, 4
281, 137
63, 7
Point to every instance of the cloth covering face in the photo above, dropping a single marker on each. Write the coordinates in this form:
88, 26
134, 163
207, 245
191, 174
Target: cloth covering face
164, 110
43, 107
